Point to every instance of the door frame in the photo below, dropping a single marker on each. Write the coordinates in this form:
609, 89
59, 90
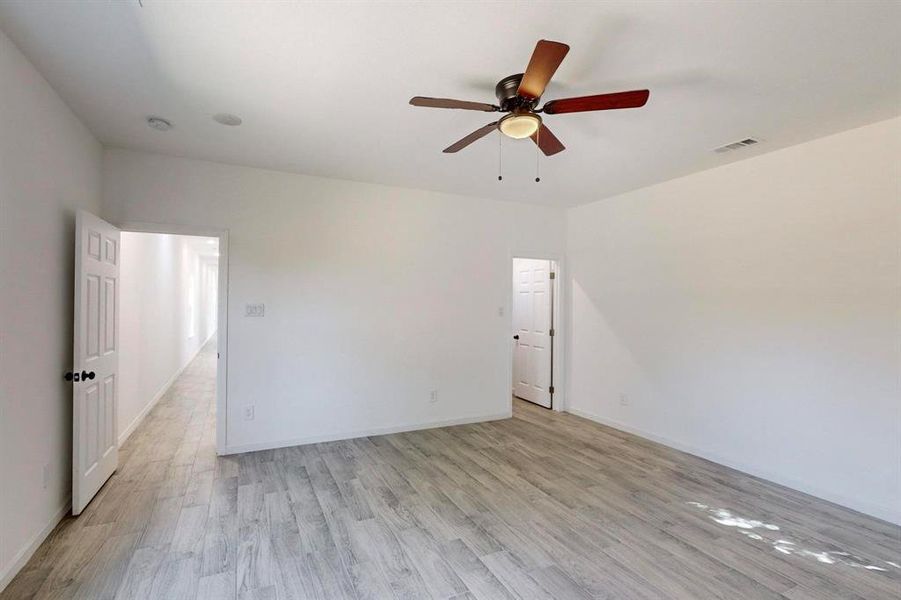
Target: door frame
221, 312
558, 342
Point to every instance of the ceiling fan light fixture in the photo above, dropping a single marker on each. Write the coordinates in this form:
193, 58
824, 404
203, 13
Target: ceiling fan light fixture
519, 125
519, 95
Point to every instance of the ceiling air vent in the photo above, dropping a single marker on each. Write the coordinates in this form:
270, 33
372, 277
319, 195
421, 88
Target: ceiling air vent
736, 145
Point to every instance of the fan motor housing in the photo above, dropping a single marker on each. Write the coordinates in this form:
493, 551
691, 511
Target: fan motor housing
507, 99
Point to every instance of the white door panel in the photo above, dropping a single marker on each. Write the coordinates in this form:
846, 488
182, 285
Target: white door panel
95, 357
532, 323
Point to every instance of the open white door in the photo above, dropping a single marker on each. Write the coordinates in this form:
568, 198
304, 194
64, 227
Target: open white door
95, 395
533, 330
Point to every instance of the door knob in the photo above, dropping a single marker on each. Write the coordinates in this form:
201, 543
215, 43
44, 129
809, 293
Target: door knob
83, 376
516, 337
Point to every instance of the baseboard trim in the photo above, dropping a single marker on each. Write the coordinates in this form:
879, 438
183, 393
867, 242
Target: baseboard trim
159, 395
334, 437
878, 511
9, 572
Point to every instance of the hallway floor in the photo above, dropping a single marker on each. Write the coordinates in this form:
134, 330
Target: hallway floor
543, 505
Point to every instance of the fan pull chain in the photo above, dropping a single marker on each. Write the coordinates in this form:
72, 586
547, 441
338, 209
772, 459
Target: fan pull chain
500, 162
537, 155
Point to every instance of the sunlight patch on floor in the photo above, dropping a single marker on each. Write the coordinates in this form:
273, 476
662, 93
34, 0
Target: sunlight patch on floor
748, 528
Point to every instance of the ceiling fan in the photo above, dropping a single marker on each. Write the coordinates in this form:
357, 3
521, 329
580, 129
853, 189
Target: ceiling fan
519, 94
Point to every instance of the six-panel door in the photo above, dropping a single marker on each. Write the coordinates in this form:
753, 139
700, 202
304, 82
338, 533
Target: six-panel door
532, 318
95, 357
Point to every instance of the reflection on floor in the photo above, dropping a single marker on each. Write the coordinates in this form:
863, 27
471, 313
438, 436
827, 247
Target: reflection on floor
771, 534
544, 505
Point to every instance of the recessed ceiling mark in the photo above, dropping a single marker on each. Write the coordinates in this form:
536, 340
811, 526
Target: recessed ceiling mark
228, 119
159, 123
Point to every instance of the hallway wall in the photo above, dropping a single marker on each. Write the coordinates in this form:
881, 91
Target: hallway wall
168, 311
49, 168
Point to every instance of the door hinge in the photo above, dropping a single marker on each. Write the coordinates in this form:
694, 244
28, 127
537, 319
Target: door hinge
551, 389
553, 275
553, 332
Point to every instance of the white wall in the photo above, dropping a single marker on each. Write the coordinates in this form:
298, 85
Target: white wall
164, 281
751, 315
374, 295
49, 168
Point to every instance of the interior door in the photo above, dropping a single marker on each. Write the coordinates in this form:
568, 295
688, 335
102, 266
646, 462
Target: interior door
532, 330
95, 385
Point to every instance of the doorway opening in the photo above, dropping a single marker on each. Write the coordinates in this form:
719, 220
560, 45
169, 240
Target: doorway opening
150, 322
534, 316
169, 321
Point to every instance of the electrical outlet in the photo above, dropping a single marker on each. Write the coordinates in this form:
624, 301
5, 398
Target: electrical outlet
45, 475
624, 400
500, 311
248, 412
254, 310
433, 396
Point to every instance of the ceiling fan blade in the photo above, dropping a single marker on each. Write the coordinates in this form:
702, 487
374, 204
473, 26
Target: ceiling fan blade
633, 99
546, 57
475, 135
547, 141
450, 103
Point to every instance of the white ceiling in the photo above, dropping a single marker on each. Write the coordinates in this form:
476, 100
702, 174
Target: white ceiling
323, 87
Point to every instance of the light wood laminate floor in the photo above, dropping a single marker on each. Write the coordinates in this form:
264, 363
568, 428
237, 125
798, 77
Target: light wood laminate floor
543, 505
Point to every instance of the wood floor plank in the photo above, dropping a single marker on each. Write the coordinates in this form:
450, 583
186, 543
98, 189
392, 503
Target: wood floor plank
425, 554
107, 569
391, 558
515, 577
369, 581
74, 564
177, 579
163, 519
216, 587
140, 573
543, 505
190, 530
220, 544
559, 584
253, 562
480, 581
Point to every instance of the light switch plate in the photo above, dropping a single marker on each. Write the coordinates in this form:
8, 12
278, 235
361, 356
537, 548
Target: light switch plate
254, 310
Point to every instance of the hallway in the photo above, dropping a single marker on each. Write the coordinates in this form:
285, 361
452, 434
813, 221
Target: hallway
164, 482
543, 505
